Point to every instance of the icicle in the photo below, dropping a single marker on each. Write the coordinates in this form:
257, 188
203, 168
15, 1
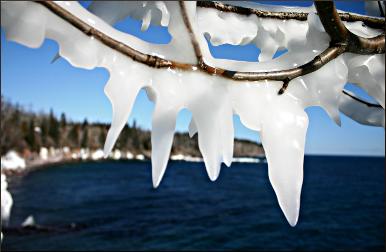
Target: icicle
146, 21
126, 80
163, 127
165, 13
192, 128
283, 128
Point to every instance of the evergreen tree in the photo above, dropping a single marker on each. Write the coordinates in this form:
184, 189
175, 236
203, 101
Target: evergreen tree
135, 138
84, 124
84, 142
16, 116
44, 131
25, 128
30, 138
102, 136
124, 138
63, 121
73, 135
54, 131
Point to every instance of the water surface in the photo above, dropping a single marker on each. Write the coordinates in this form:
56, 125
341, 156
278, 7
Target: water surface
114, 207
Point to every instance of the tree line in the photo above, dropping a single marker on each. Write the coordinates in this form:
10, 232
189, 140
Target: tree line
28, 131
25, 131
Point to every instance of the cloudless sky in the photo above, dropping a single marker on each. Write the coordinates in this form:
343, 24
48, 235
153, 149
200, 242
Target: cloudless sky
28, 78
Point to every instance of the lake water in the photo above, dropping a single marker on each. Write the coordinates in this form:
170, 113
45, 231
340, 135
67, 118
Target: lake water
112, 206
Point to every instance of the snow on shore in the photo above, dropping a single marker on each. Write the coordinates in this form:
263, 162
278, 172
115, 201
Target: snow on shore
6, 201
12, 161
181, 157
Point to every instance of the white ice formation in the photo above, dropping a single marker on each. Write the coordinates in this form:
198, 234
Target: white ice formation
280, 120
6, 201
12, 161
29, 222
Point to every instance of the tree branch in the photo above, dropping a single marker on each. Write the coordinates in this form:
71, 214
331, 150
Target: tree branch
340, 45
340, 35
284, 75
372, 22
188, 25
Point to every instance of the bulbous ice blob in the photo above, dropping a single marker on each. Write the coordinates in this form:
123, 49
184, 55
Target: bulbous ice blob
24, 23
226, 28
368, 71
115, 11
322, 88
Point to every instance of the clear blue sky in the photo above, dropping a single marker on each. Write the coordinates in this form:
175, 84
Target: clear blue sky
28, 78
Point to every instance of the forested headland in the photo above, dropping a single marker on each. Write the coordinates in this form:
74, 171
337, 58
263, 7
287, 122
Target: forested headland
27, 132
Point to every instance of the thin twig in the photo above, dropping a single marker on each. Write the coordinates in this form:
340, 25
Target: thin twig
368, 104
188, 25
372, 22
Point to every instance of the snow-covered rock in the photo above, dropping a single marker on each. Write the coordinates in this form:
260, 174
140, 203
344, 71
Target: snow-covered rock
177, 157
116, 154
29, 222
246, 160
98, 154
84, 153
6, 201
129, 155
43, 153
66, 149
12, 161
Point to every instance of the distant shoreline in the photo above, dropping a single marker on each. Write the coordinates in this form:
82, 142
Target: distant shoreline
39, 163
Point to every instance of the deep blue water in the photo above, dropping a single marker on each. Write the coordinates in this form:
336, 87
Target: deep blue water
116, 208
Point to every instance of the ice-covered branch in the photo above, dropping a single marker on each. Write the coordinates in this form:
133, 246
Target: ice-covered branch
372, 22
154, 61
150, 60
341, 36
361, 111
357, 99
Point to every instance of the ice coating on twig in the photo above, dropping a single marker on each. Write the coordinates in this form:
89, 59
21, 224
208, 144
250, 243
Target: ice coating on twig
360, 112
213, 100
267, 7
